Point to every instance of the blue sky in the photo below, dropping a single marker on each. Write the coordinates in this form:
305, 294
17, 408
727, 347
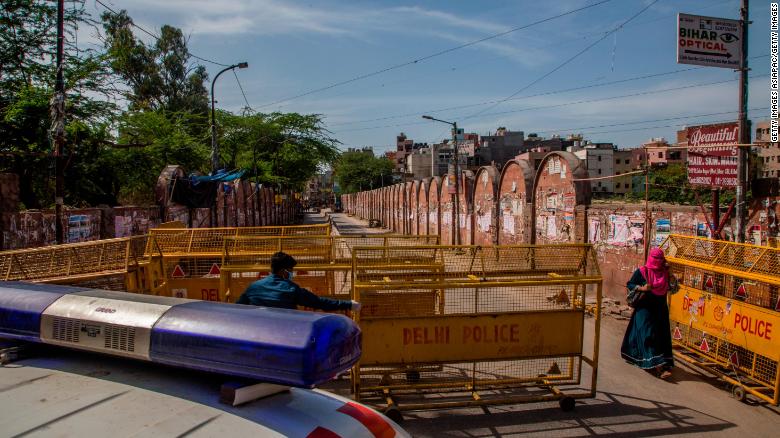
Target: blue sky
293, 47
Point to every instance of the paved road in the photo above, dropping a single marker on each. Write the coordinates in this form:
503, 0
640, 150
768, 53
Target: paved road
629, 403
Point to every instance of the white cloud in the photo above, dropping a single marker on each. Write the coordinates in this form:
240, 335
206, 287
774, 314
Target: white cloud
276, 17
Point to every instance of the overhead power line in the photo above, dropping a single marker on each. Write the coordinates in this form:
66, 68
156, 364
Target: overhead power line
242, 91
564, 63
645, 121
434, 55
416, 114
471, 105
580, 130
567, 104
156, 37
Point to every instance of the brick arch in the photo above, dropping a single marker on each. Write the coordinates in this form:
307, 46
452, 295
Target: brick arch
414, 207
434, 207
408, 188
422, 206
466, 195
446, 213
515, 192
484, 203
559, 201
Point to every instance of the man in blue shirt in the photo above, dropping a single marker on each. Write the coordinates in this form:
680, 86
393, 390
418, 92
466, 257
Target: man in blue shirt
278, 290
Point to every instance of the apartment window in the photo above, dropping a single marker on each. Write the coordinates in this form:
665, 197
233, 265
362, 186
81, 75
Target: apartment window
599, 171
660, 155
628, 161
599, 158
628, 186
617, 161
599, 183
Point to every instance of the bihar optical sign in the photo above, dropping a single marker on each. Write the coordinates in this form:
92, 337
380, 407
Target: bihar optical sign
712, 155
709, 41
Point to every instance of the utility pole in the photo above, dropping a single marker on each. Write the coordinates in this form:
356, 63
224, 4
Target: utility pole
456, 169
215, 149
433, 160
457, 181
744, 129
58, 125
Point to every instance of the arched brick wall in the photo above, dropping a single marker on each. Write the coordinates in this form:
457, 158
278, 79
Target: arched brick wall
434, 208
466, 217
414, 208
446, 211
559, 201
484, 202
515, 192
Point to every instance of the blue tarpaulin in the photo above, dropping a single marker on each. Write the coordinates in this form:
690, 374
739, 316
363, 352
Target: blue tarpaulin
220, 176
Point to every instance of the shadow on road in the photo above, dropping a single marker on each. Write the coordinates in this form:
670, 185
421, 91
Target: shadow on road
613, 415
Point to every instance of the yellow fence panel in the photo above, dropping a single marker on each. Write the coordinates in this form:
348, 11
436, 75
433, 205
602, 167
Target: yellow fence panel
110, 264
191, 258
470, 320
726, 316
324, 262
453, 338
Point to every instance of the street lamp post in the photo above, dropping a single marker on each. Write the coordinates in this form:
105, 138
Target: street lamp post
456, 225
214, 150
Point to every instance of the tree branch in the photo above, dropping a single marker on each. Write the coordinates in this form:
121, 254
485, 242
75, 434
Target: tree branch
124, 146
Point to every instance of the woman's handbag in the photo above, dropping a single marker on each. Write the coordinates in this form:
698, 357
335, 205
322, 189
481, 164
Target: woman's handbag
634, 296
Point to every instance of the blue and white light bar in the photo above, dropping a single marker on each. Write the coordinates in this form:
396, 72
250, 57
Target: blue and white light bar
281, 346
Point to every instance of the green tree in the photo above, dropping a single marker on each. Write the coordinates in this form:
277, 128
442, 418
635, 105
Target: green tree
282, 149
147, 142
27, 74
159, 75
361, 170
670, 184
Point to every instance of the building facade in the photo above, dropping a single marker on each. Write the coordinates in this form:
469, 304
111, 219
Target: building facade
624, 163
599, 158
768, 152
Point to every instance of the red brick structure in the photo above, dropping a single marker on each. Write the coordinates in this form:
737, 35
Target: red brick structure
515, 192
446, 214
414, 208
465, 199
484, 201
434, 203
559, 201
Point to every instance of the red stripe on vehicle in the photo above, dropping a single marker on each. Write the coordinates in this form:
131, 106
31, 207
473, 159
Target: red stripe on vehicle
370, 419
321, 432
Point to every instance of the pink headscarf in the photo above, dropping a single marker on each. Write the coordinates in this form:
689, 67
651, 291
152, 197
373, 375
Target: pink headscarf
656, 272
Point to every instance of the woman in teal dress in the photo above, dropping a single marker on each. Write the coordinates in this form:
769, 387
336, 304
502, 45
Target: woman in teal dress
648, 341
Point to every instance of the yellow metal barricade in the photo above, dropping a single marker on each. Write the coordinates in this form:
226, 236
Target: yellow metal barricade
117, 264
448, 326
726, 316
191, 257
324, 262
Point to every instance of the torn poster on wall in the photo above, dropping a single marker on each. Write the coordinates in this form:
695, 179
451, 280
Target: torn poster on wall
618, 230
663, 227
552, 228
625, 231
594, 231
484, 222
78, 228
509, 224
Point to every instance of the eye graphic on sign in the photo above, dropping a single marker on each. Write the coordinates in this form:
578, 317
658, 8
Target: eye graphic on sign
728, 37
